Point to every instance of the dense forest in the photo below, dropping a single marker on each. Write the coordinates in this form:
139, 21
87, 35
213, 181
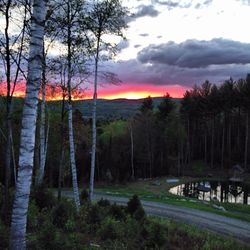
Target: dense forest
207, 127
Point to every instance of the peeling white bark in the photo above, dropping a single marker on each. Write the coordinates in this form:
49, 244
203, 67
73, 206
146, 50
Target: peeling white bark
72, 160
27, 142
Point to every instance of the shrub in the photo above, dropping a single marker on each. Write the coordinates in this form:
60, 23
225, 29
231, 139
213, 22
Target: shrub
117, 212
43, 198
110, 229
48, 238
133, 204
33, 215
139, 214
103, 203
135, 209
84, 196
70, 225
154, 235
62, 212
94, 217
81, 220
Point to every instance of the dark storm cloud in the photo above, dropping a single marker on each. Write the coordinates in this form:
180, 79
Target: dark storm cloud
191, 62
197, 54
146, 10
162, 74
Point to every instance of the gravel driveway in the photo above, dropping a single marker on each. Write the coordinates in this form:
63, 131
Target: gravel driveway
237, 229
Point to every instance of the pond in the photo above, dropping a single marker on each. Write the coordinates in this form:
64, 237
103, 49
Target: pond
227, 191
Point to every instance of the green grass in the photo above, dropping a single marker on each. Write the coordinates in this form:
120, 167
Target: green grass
237, 211
148, 192
212, 240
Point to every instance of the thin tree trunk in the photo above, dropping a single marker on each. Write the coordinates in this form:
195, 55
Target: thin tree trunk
8, 112
60, 175
42, 157
179, 159
212, 144
223, 146
188, 154
72, 159
205, 144
70, 120
238, 131
93, 153
132, 152
246, 140
13, 156
229, 141
21, 200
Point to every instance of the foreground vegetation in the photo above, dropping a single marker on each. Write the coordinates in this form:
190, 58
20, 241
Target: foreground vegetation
56, 225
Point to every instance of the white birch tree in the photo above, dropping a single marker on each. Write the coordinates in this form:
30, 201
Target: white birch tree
21, 200
68, 22
11, 55
102, 17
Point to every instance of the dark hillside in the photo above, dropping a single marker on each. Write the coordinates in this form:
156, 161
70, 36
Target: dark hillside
117, 108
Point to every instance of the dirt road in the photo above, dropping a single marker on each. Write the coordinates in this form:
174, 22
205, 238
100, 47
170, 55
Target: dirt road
237, 229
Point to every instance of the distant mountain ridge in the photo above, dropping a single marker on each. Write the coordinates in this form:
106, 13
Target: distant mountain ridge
116, 108
106, 109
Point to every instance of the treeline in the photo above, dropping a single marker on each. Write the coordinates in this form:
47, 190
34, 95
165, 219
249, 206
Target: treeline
209, 126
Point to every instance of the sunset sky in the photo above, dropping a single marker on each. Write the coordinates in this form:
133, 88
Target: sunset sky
173, 44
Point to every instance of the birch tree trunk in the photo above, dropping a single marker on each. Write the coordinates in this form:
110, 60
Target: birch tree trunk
70, 122
21, 200
93, 153
72, 159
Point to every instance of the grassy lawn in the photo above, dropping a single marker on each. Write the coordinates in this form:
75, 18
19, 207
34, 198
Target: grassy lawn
149, 192
180, 232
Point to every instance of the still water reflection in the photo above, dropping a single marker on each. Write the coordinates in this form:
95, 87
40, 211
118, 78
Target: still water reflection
233, 192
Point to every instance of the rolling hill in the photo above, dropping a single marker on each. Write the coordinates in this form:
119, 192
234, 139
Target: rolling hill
113, 109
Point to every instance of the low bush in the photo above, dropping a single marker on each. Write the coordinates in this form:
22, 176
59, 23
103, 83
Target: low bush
133, 204
94, 217
84, 196
62, 213
117, 212
156, 236
103, 203
110, 229
33, 216
43, 198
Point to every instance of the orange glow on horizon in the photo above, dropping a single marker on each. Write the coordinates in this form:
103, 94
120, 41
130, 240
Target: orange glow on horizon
128, 91
141, 91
